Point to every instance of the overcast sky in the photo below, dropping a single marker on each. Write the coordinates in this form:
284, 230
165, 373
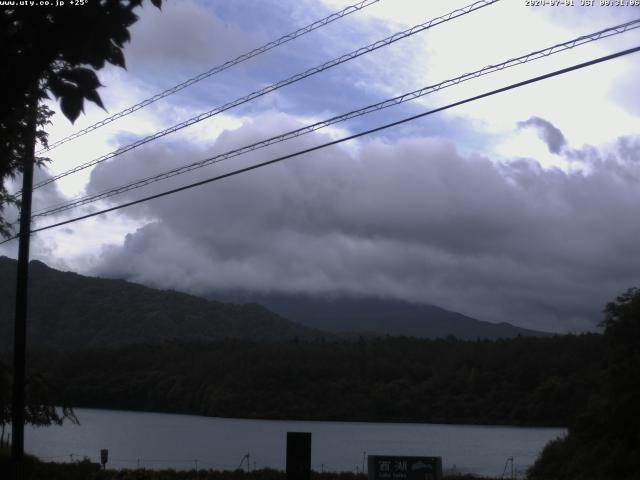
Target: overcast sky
521, 207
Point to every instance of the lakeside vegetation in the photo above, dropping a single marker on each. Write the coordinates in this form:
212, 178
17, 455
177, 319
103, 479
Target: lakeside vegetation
376, 379
603, 442
37, 470
590, 382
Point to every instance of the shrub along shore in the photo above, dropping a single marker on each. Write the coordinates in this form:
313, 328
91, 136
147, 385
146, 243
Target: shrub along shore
85, 470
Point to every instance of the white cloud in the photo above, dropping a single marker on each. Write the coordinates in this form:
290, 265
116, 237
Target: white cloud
411, 219
184, 35
541, 242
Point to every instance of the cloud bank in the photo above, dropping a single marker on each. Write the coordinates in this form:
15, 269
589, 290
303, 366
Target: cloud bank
413, 219
471, 216
551, 135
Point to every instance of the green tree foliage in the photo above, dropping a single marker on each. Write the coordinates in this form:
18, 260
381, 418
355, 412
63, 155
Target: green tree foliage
86, 470
604, 441
53, 51
523, 381
72, 311
39, 409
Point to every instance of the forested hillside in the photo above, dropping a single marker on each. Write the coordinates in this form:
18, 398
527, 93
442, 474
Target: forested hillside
73, 311
523, 381
377, 316
603, 442
76, 311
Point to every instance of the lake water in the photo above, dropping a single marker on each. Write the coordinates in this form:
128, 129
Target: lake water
153, 440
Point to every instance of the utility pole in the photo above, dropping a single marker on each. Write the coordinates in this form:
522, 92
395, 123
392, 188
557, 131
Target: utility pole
22, 279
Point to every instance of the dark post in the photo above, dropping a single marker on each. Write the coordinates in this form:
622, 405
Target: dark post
298, 456
104, 458
20, 329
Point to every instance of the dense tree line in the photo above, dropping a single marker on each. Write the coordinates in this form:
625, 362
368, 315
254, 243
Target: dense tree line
523, 381
39, 408
86, 470
67, 310
604, 439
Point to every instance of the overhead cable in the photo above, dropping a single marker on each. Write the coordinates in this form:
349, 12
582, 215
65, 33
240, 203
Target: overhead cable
618, 29
275, 86
217, 69
336, 142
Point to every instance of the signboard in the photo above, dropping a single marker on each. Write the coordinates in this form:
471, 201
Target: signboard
384, 467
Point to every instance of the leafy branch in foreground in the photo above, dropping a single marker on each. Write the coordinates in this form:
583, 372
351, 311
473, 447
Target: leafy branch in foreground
604, 441
39, 410
53, 51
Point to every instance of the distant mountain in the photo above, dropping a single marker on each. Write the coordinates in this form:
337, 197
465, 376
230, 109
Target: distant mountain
67, 310
73, 311
378, 316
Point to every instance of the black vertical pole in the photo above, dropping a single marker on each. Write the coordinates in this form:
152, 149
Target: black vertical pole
20, 329
298, 456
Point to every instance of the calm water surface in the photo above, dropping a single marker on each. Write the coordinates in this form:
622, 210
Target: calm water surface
153, 440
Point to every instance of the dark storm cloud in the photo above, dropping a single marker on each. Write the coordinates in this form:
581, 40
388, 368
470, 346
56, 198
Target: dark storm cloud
189, 38
413, 220
628, 147
45, 196
551, 135
184, 34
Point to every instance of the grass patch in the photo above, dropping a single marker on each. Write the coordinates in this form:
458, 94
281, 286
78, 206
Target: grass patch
85, 470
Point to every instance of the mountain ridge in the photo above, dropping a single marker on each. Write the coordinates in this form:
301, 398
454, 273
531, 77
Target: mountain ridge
76, 311
376, 316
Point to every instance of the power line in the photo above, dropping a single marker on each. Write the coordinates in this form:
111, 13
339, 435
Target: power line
217, 69
341, 140
275, 86
618, 29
